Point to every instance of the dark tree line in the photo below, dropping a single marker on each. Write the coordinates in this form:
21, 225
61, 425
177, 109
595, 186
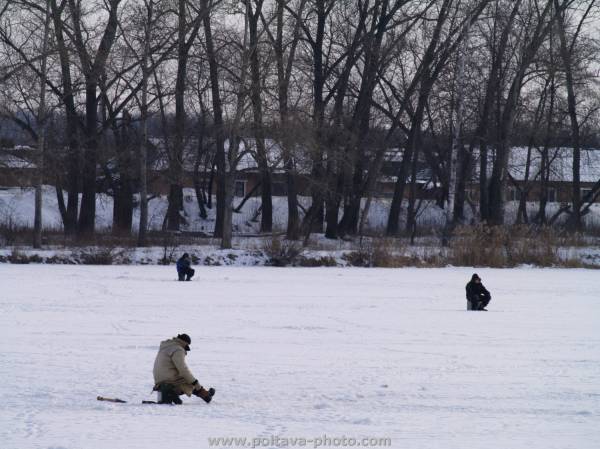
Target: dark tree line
106, 88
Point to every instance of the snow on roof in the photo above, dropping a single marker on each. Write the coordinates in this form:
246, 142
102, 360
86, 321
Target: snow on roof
394, 154
246, 153
560, 160
561, 164
24, 148
247, 159
8, 160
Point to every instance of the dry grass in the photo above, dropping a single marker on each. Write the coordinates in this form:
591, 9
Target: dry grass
282, 252
504, 246
381, 253
323, 261
101, 256
578, 263
481, 246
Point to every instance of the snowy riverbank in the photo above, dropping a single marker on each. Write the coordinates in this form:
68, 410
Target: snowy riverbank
264, 252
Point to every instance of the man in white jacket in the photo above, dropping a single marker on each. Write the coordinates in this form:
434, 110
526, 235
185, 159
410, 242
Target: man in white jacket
172, 377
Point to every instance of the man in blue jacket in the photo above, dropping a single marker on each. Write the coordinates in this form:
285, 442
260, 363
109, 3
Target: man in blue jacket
184, 270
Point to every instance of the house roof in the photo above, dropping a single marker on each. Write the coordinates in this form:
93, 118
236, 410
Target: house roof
247, 156
561, 161
8, 160
561, 164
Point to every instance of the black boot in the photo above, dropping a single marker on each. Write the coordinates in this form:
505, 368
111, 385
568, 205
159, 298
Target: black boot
168, 395
189, 274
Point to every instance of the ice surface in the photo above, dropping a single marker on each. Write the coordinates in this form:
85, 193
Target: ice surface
301, 353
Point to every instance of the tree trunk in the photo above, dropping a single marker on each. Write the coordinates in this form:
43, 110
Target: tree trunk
456, 146
544, 163
60, 200
393, 224
200, 196
176, 160
284, 73
566, 52
266, 222
142, 239
41, 123
335, 182
123, 191
218, 122
313, 219
464, 170
522, 210
88, 199
93, 68
360, 123
293, 224
226, 240
72, 124
411, 212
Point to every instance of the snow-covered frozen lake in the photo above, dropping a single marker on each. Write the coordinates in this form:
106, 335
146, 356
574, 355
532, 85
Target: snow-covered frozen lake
376, 353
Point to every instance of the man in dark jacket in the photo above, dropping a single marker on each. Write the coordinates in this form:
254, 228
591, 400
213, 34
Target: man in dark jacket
184, 270
477, 294
172, 377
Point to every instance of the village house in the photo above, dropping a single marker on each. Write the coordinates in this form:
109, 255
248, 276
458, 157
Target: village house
17, 166
18, 169
526, 174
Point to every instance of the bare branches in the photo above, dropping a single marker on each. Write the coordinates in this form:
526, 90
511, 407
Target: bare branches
346, 93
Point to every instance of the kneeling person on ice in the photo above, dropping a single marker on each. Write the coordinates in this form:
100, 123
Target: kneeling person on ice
477, 294
184, 270
172, 377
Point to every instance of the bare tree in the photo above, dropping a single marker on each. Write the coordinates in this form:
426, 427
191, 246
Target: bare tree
148, 26
93, 64
186, 35
538, 25
234, 138
41, 122
254, 14
457, 125
343, 90
285, 65
435, 58
218, 123
567, 52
